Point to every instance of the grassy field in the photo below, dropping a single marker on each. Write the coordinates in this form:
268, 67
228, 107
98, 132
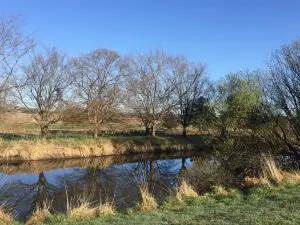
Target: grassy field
258, 205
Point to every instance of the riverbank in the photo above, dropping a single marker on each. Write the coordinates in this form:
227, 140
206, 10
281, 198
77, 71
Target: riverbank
271, 198
39, 166
18, 150
267, 204
260, 205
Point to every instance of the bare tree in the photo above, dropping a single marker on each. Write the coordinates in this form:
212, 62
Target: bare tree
149, 86
97, 76
13, 47
44, 87
284, 88
191, 86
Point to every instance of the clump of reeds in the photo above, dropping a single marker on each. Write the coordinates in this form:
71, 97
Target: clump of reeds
219, 190
105, 209
185, 190
40, 214
80, 209
253, 181
83, 207
148, 202
6, 217
272, 173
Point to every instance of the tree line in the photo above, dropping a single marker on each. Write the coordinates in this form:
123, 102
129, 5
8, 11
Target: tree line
154, 86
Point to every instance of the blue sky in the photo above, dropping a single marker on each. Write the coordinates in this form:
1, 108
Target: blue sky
229, 35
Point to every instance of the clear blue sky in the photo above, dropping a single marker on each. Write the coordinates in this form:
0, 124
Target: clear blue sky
229, 35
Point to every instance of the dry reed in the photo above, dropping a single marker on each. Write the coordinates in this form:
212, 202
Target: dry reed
148, 202
40, 214
185, 190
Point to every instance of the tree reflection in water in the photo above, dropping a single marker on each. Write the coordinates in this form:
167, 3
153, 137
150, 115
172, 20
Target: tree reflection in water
118, 183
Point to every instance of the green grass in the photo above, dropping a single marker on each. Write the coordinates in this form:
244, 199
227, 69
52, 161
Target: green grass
260, 205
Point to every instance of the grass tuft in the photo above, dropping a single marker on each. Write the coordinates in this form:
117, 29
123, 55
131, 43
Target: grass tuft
5, 217
105, 209
40, 214
219, 190
148, 202
185, 190
254, 181
271, 171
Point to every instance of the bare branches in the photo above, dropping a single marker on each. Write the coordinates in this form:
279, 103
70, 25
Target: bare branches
190, 87
284, 83
13, 47
96, 81
149, 87
45, 86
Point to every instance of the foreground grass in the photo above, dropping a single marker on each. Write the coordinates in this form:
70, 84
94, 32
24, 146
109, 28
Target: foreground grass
258, 205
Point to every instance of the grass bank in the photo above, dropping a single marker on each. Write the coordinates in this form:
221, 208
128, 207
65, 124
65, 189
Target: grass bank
272, 198
79, 148
267, 204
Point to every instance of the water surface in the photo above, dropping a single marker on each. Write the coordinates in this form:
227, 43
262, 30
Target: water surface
27, 185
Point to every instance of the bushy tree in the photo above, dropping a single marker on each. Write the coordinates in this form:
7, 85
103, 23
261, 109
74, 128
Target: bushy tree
238, 95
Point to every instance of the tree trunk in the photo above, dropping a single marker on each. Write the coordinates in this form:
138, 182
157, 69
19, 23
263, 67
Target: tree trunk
184, 131
148, 130
44, 132
95, 133
153, 130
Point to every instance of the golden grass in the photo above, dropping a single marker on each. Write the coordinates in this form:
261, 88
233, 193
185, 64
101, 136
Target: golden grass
219, 190
272, 173
254, 181
185, 190
82, 208
82, 211
40, 214
5, 217
105, 209
38, 217
148, 202
72, 148
293, 176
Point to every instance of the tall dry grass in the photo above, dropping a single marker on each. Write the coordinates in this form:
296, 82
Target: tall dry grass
147, 202
83, 208
72, 148
272, 173
185, 190
6, 215
40, 214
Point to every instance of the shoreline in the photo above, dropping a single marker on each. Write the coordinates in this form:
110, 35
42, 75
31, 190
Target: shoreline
38, 166
32, 150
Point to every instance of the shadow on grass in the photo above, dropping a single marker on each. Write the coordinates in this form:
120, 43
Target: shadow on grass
135, 137
12, 136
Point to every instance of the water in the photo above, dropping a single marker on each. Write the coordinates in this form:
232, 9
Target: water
26, 185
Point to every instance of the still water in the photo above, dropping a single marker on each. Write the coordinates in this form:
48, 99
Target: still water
27, 185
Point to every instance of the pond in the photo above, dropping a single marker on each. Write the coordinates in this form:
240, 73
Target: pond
27, 185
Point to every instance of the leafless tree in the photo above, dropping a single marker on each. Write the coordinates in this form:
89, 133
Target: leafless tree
13, 47
97, 77
284, 88
44, 87
192, 84
149, 86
